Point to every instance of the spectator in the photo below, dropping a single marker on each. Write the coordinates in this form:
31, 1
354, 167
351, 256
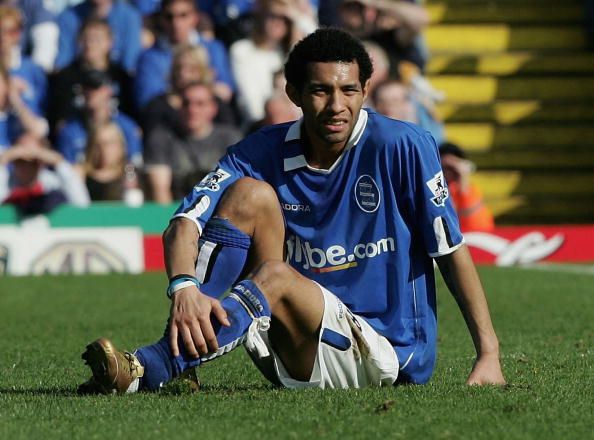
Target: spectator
392, 98
175, 161
40, 32
37, 179
15, 117
262, 55
108, 175
95, 42
233, 19
190, 64
179, 20
381, 68
394, 25
278, 109
474, 215
28, 77
397, 100
123, 19
98, 109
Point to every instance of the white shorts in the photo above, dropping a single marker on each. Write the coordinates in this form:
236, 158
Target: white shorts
351, 354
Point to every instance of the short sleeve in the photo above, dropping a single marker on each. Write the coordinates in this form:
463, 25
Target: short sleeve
434, 212
201, 202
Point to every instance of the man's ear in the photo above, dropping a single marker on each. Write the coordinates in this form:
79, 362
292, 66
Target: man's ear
293, 94
366, 89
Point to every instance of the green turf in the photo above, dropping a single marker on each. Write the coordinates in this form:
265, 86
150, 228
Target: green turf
544, 320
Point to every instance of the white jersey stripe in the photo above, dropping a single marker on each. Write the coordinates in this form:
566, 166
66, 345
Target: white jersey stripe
206, 251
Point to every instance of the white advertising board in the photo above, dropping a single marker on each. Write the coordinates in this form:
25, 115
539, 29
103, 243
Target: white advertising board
32, 249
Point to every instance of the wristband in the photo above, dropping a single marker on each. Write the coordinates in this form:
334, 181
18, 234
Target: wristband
180, 282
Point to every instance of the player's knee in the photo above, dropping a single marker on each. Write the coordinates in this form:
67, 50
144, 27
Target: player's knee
272, 277
246, 199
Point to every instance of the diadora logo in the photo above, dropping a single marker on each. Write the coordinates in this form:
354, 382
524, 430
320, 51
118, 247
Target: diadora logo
335, 257
253, 299
438, 188
294, 207
212, 180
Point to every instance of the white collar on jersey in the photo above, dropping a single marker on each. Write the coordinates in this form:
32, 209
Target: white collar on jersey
294, 133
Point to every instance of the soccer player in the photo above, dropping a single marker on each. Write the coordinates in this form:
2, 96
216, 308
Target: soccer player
331, 224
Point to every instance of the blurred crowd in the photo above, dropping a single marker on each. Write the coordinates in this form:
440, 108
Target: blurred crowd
136, 100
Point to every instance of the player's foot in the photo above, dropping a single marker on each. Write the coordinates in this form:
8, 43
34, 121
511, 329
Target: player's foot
113, 371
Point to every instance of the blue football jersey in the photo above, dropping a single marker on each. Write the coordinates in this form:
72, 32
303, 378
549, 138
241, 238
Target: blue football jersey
367, 229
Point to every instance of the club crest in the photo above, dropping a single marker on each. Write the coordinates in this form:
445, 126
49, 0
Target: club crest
367, 193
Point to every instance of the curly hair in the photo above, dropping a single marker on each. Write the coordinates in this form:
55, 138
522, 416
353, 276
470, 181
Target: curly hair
326, 45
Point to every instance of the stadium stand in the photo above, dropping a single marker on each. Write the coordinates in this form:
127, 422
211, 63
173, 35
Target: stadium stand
519, 85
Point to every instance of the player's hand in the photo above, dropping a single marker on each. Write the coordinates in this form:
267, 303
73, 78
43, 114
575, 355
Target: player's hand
486, 371
190, 319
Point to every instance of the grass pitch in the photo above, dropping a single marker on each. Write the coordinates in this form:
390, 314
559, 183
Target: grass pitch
544, 321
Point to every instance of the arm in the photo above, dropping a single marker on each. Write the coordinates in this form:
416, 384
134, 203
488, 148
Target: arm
190, 309
130, 46
159, 180
409, 19
220, 63
68, 29
151, 77
157, 165
5, 158
190, 316
36, 125
412, 16
462, 279
72, 184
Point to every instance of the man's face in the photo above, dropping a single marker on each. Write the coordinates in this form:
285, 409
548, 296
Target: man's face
393, 100
95, 43
330, 100
198, 108
180, 20
26, 171
10, 34
97, 98
276, 26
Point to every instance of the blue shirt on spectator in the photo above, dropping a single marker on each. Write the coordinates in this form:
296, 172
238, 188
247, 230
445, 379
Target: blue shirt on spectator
147, 7
10, 129
223, 11
34, 95
72, 139
124, 21
154, 65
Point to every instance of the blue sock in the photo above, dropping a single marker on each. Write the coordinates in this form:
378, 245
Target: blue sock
245, 303
222, 256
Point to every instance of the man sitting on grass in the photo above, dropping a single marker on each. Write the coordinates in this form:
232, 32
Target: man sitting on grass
326, 230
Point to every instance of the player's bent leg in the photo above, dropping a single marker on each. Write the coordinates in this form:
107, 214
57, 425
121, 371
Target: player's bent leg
247, 218
246, 229
314, 339
253, 207
297, 308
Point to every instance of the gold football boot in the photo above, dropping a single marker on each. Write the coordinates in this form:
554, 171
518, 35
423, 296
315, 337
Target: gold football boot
113, 370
